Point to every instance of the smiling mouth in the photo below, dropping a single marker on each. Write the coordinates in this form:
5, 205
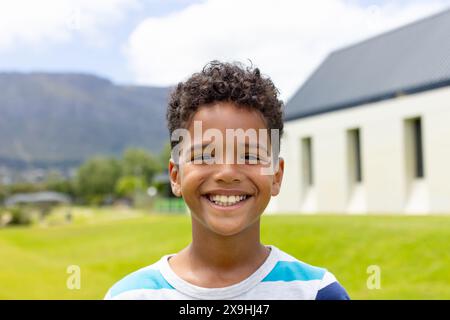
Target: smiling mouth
226, 201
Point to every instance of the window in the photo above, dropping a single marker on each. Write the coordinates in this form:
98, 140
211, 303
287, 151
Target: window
414, 147
418, 152
307, 162
354, 153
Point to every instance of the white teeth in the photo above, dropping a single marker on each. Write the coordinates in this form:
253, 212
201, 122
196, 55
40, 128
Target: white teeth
226, 200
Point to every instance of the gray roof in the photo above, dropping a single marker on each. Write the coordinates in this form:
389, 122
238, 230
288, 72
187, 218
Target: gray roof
407, 60
37, 197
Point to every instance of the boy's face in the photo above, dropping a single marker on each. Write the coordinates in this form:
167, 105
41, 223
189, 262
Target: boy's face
225, 197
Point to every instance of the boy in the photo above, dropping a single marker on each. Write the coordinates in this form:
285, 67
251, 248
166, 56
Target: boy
225, 259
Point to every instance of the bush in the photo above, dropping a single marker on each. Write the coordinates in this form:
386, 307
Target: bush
20, 216
4, 217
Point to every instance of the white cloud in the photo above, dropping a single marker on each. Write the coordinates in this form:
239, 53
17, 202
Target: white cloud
45, 22
286, 39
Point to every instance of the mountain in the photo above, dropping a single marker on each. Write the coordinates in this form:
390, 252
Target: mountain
61, 119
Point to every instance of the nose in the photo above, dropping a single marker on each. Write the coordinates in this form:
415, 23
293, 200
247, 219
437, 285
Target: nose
227, 173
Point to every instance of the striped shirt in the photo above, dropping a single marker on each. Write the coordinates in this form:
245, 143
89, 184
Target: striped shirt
281, 276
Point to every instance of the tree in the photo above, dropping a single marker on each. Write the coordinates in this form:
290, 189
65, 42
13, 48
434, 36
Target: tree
97, 177
164, 157
127, 186
140, 163
57, 182
3, 193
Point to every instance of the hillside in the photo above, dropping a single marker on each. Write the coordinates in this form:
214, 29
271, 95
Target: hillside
61, 119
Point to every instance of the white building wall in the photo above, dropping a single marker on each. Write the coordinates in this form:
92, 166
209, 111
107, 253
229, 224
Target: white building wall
437, 151
386, 186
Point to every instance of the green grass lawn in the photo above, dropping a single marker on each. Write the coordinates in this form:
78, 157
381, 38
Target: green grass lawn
413, 252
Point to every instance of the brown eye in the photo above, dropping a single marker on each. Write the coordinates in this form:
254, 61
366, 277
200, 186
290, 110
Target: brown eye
201, 157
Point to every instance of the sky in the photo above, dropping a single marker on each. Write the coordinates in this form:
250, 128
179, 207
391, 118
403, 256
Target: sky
162, 42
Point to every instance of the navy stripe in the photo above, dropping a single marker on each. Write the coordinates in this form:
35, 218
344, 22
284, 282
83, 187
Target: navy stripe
333, 291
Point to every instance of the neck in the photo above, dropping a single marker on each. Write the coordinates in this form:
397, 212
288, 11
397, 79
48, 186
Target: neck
220, 252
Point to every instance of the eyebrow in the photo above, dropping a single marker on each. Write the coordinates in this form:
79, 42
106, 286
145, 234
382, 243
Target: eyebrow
196, 146
257, 146
201, 146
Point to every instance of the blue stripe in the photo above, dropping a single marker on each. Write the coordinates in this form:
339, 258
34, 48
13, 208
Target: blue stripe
143, 279
294, 270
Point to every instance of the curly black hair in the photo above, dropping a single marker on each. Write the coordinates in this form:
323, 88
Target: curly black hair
230, 82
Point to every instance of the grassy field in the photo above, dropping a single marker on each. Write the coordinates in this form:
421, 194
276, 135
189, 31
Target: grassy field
413, 252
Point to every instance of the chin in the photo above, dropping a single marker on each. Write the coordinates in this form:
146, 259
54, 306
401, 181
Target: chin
227, 228
226, 233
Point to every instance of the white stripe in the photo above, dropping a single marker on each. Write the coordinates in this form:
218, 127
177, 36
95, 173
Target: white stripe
282, 290
276, 290
283, 256
328, 278
151, 294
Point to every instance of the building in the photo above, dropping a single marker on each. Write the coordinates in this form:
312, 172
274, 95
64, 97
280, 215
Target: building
47, 198
369, 131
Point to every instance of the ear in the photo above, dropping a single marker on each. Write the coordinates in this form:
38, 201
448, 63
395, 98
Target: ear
278, 177
174, 175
